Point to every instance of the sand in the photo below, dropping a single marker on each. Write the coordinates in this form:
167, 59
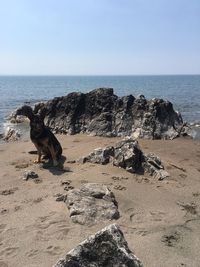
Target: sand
160, 219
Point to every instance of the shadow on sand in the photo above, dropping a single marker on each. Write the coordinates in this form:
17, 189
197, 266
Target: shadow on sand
56, 170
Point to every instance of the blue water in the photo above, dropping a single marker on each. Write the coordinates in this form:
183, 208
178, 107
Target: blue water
182, 90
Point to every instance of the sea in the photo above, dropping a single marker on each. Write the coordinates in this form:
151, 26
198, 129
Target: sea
182, 90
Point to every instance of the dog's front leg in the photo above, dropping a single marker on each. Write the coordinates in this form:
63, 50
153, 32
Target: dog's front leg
38, 160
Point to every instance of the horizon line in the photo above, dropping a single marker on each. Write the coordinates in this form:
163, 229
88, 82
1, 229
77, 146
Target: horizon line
75, 75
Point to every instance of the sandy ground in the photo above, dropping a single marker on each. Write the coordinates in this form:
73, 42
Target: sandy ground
160, 219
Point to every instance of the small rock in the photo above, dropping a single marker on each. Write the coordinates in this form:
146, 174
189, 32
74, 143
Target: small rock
29, 175
161, 175
153, 165
11, 135
60, 197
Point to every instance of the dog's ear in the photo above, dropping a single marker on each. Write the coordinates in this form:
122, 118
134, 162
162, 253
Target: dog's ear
25, 111
42, 113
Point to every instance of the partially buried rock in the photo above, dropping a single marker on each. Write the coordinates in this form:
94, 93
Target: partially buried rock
29, 175
104, 249
92, 203
153, 165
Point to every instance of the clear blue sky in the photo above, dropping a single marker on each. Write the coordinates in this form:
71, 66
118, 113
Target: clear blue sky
73, 37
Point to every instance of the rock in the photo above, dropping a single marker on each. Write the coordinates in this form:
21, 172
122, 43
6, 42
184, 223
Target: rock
11, 135
104, 249
29, 175
128, 155
161, 175
60, 197
92, 203
153, 165
100, 112
100, 156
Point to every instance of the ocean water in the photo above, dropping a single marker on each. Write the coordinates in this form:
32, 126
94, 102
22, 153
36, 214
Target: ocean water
182, 90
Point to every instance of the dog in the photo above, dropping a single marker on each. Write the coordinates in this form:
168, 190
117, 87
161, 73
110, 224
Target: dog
44, 140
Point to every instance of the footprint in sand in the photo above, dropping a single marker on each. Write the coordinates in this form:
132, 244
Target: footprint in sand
32, 253
7, 192
140, 217
3, 264
117, 178
53, 250
9, 252
61, 234
2, 227
4, 211
37, 200
190, 208
16, 208
46, 221
119, 187
171, 239
142, 232
22, 165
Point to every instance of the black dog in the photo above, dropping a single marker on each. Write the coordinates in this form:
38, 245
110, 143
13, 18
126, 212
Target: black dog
41, 136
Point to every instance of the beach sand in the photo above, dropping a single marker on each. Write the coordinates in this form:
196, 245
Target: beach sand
160, 219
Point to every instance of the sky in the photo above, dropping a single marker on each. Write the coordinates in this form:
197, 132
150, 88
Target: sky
99, 37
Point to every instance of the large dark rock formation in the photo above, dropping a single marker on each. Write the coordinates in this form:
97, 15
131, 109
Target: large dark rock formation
101, 112
107, 248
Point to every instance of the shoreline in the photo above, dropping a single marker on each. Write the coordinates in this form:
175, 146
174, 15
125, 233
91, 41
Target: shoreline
36, 229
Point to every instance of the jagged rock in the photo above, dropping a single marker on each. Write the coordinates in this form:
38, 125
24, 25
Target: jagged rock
101, 112
161, 174
11, 135
153, 165
100, 156
92, 203
29, 175
107, 248
128, 155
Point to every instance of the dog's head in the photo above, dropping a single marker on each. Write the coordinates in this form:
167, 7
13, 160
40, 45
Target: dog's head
36, 120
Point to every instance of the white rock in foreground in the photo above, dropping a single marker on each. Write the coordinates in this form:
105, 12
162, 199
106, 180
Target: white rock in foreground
92, 203
107, 248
